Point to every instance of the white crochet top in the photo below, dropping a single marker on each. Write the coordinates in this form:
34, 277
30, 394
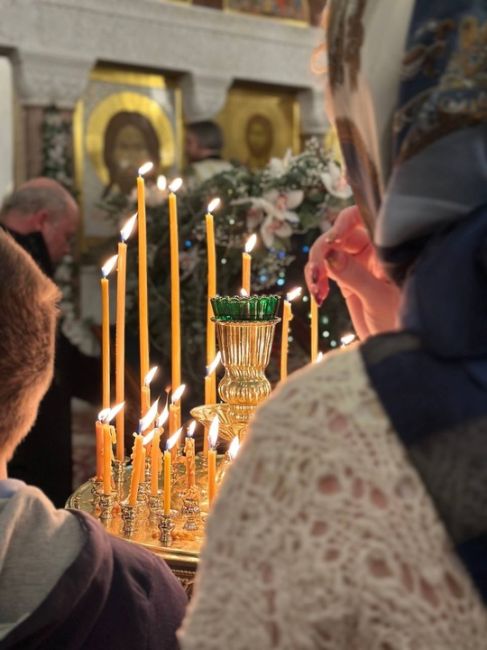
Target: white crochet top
323, 535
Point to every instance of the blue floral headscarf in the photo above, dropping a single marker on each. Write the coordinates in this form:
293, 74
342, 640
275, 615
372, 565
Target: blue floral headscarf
408, 89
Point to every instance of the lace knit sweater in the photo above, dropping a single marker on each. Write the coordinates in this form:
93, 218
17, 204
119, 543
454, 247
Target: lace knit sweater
323, 536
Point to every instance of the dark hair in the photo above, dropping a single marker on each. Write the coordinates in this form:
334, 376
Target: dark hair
115, 125
208, 134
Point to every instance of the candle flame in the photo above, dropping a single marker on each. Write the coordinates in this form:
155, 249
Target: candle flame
214, 204
173, 439
103, 414
319, 357
113, 412
150, 375
149, 437
191, 428
128, 227
234, 448
213, 432
346, 339
176, 184
162, 419
146, 167
109, 265
149, 417
176, 396
294, 294
161, 183
214, 364
244, 293
251, 241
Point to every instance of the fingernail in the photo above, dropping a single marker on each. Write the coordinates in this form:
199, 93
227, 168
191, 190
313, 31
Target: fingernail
336, 259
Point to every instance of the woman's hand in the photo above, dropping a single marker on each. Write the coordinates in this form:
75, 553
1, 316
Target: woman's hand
345, 254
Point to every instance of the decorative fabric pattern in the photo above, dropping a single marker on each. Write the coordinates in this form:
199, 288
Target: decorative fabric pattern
444, 76
323, 536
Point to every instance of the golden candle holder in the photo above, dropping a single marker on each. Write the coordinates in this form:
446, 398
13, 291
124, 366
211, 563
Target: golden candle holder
129, 519
96, 490
245, 347
166, 526
155, 508
190, 509
106, 504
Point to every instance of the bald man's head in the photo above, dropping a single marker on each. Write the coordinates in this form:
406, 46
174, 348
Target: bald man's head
43, 205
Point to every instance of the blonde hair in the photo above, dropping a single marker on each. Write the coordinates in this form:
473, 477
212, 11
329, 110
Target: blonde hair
28, 316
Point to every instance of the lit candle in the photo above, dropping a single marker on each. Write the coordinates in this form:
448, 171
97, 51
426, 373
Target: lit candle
175, 409
190, 456
107, 459
346, 339
175, 298
143, 300
137, 462
154, 463
210, 386
149, 417
145, 390
314, 329
246, 263
213, 437
120, 333
211, 253
99, 443
286, 318
167, 471
234, 448
105, 330
142, 466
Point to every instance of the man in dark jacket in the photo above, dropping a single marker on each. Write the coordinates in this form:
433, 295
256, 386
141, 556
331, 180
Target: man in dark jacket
65, 584
43, 218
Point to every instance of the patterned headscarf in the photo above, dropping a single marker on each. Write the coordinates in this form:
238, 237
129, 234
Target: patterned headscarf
408, 89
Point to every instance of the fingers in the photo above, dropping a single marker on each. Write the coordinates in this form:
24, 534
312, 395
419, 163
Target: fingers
317, 280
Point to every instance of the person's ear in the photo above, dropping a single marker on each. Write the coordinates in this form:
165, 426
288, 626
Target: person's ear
39, 219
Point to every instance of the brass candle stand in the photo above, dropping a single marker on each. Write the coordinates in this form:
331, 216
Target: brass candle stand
245, 330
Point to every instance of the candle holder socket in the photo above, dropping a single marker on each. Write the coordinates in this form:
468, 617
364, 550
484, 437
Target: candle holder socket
191, 509
129, 519
166, 526
96, 490
155, 509
106, 507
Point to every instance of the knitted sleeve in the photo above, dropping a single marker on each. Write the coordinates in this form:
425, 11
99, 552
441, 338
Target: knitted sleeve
323, 535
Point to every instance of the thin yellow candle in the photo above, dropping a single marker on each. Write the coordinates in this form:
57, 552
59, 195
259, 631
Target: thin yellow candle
107, 459
143, 300
142, 466
286, 318
314, 329
167, 481
99, 449
213, 437
175, 289
145, 391
154, 463
210, 380
105, 330
246, 263
211, 253
137, 462
175, 410
156, 452
120, 334
167, 470
190, 456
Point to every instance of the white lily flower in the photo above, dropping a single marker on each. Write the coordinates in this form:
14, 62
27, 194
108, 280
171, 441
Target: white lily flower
335, 182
